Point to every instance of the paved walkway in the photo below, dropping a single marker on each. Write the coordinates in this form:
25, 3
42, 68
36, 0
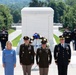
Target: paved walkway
35, 69
56, 31
14, 35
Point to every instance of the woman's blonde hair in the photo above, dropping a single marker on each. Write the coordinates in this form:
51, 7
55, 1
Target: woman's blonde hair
8, 42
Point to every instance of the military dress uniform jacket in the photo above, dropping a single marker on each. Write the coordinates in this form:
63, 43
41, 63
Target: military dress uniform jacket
74, 34
67, 36
43, 57
62, 55
26, 54
4, 36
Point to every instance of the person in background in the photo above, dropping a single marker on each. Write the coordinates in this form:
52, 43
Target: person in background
67, 35
43, 58
74, 37
26, 56
9, 59
62, 56
3, 37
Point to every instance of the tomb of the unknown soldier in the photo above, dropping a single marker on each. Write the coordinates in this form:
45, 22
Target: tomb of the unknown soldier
38, 20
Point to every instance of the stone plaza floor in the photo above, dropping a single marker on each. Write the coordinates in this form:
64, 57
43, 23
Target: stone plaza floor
35, 70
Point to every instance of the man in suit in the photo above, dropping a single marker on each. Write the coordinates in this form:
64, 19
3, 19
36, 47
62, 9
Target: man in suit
26, 55
62, 56
43, 58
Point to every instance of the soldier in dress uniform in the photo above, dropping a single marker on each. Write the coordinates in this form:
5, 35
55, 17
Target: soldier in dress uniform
26, 55
74, 37
67, 35
62, 56
3, 37
43, 58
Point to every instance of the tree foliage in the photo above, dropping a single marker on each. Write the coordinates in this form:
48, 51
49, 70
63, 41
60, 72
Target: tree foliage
70, 2
5, 17
69, 17
37, 3
59, 9
64, 11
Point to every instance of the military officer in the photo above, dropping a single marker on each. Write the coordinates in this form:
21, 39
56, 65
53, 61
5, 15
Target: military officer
62, 56
26, 56
43, 58
3, 38
67, 35
74, 37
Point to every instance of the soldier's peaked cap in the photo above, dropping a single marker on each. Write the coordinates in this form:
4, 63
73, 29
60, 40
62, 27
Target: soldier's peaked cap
61, 37
26, 38
44, 41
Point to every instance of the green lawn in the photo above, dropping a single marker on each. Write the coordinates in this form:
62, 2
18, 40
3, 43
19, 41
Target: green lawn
56, 38
16, 40
10, 31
